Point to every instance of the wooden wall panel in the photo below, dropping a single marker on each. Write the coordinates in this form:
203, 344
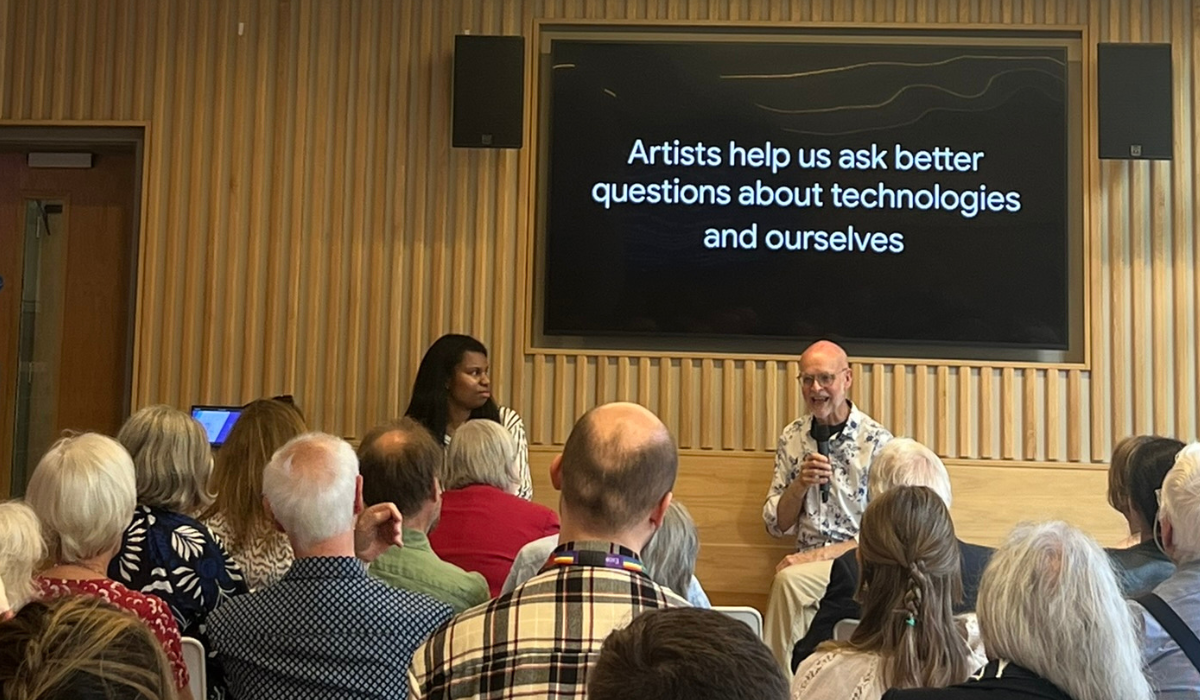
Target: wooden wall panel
306, 227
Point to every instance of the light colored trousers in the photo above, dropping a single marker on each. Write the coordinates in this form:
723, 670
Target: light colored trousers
796, 593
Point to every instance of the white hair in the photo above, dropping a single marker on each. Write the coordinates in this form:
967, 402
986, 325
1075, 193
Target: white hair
1180, 504
84, 492
670, 555
481, 452
311, 485
1049, 601
906, 462
21, 549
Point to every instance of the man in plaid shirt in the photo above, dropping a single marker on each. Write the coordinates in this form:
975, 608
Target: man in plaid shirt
616, 473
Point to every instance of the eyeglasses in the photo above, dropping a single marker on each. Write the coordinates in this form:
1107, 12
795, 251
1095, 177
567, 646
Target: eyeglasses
825, 379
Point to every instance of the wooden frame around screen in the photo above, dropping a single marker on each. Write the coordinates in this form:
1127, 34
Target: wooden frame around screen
528, 188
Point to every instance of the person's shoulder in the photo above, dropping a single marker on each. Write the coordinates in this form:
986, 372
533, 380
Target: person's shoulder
978, 551
391, 601
538, 549
795, 429
868, 426
847, 559
509, 418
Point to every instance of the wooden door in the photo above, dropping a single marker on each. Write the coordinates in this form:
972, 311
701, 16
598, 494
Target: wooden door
84, 292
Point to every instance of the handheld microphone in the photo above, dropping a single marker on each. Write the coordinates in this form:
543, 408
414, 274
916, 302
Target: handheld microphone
821, 433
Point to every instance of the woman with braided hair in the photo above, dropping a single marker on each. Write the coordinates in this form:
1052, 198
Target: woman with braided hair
80, 648
910, 578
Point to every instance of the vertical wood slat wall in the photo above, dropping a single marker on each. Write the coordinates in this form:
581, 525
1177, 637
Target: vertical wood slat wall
309, 230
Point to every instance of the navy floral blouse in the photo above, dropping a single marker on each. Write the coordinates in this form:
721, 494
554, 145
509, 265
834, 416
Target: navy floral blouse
176, 558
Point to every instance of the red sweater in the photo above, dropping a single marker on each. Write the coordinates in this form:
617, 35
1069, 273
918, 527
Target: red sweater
482, 528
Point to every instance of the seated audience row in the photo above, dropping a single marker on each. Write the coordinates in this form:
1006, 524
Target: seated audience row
326, 628
1051, 623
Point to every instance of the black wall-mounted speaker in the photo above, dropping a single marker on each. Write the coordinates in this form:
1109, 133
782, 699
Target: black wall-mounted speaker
1135, 101
489, 91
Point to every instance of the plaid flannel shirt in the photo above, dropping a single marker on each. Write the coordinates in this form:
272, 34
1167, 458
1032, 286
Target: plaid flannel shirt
540, 640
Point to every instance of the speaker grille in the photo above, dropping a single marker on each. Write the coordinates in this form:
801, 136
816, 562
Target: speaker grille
1134, 98
489, 91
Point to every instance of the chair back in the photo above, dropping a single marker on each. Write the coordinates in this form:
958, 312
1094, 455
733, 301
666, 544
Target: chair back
744, 613
843, 629
193, 658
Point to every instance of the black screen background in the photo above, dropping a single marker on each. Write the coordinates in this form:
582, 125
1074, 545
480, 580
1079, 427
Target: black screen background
997, 279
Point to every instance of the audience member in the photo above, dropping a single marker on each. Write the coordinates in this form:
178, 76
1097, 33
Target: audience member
21, 550
901, 462
908, 637
484, 524
535, 556
400, 463
452, 387
1053, 623
165, 551
81, 648
84, 492
1169, 616
680, 653
816, 499
1143, 566
326, 629
670, 555
237, 517
1118, 482
615, 474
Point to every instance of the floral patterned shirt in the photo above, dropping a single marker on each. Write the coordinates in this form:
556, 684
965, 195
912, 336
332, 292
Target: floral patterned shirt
151, 609
850, 453
177, 559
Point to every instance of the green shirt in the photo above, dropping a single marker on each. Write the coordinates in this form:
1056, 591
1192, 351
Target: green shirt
415, 567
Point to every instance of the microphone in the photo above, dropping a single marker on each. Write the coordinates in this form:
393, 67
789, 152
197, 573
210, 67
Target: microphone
821, 433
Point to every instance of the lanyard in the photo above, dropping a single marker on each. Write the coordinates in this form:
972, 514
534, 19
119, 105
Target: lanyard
608, 560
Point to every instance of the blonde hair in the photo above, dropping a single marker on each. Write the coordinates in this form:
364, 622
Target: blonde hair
21, 549
911, 576
1118, 472
84, 492
264, 426
171, 459
80, 646
481, 452
1049, 601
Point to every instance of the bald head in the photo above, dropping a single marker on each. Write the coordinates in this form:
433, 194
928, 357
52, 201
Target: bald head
400, 463
311, 486
825, 351
618, 464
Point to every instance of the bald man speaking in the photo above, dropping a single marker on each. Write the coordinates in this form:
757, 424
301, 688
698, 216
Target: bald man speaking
818, 493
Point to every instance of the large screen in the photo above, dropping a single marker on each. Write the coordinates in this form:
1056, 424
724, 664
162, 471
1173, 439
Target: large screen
864, 191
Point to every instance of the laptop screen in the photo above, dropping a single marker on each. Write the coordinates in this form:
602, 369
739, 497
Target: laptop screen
217, 421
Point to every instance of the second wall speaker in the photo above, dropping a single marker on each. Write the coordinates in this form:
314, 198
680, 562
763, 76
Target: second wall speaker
489, 91
1134, 96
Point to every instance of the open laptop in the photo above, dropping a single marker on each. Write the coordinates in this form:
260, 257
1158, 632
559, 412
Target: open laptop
217, 421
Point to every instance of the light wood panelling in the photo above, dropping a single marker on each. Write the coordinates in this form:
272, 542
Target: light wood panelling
306, 227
